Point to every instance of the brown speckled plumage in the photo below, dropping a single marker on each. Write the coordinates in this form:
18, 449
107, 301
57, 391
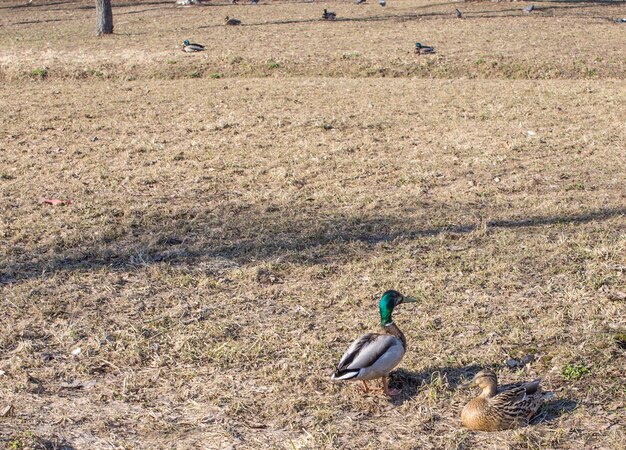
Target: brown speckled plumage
495, 409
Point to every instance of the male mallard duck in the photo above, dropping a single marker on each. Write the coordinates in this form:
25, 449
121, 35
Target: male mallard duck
495, 409
382, 3
232, 21
189, 47
328, 15
423, 49
374, 355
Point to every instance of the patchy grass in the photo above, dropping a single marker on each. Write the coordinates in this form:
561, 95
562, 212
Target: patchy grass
228, 237
271, 64
575, 371
620, 340
40, 73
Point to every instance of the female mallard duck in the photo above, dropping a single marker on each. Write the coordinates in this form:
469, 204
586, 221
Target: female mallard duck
423, 49
189, 47
374, 355
231, 21
495, 409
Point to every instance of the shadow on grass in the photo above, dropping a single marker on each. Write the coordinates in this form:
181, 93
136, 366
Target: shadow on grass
73, 5
447, 13
36, 5
550, 7
28, 440
410, 382
232, 238
553, 409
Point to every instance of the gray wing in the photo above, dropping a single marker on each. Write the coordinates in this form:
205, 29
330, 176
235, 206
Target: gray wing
369, 349
385, 362
347, 360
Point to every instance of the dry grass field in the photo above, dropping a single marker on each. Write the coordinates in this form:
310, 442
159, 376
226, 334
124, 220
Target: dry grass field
236, 214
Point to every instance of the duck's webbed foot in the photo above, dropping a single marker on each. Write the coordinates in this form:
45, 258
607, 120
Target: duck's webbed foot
389, 392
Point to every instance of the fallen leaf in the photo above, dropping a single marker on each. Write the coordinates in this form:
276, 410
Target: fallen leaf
7, 411
616, 296
54, 201
76, 351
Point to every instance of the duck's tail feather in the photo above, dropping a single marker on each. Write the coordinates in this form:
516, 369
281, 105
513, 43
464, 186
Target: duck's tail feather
533, 386
345, 374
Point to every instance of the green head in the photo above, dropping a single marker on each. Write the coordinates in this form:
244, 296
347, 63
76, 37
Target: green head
186, 42
390, 300
418, 45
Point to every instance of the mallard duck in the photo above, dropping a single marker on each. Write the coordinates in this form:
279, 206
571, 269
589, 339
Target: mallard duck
501, 408
328, 15
423, 49
382, 3
374, 355
189, 47
529, 9
233, 21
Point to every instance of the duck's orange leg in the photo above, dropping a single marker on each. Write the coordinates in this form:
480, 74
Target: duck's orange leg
386, 390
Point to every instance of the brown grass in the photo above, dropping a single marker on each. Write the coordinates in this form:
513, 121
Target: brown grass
227, 238
496, 40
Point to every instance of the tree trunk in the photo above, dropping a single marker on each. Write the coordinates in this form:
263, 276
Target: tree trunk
104, 17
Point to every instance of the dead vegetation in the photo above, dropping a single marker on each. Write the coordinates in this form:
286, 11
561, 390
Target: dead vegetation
229, 235
285, 39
